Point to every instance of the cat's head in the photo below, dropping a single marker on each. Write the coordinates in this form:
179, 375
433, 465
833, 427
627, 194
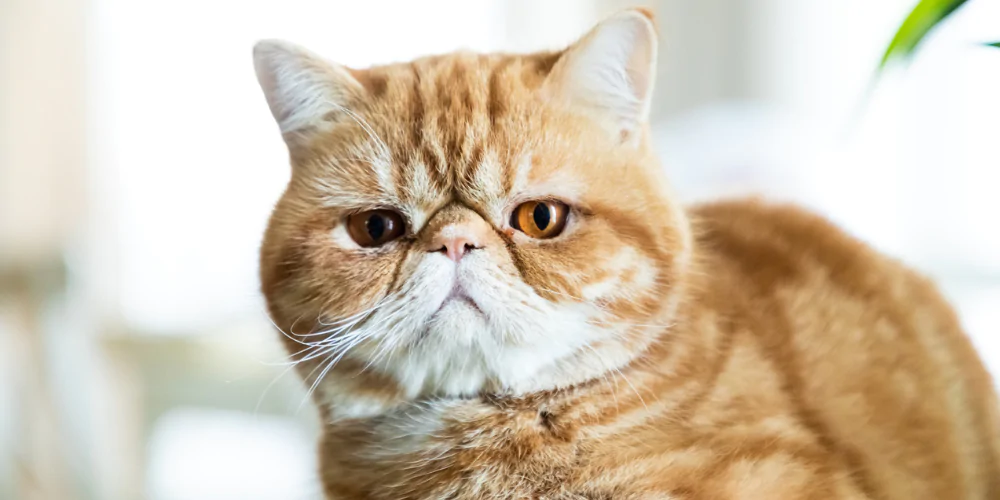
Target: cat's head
468, 223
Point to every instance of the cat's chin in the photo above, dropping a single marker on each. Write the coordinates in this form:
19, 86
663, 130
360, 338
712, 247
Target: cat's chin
458, 321
448, 371
457, 358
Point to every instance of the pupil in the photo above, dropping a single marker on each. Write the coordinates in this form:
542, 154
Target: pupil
542, 216
375, 226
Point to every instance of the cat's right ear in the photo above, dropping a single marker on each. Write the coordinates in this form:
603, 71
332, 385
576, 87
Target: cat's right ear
302, 89
609, 73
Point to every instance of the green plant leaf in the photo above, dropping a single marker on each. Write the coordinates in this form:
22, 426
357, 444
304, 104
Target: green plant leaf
994, 44
924, 17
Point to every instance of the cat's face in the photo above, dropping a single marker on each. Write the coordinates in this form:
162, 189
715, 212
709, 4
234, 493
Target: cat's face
470, 223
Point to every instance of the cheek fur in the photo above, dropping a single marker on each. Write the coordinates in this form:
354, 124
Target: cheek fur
592, 264
314, 276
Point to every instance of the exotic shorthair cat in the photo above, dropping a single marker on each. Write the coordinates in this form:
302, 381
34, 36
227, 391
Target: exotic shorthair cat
491, 293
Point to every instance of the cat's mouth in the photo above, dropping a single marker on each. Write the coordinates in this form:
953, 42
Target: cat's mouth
459, 296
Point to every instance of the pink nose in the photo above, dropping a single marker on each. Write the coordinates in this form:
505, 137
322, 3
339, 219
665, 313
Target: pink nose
454, 246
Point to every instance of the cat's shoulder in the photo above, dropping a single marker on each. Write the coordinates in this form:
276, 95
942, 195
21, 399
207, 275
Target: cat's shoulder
755, 220
780, 241
764, 229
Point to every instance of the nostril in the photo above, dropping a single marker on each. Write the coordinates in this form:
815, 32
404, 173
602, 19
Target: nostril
453, 248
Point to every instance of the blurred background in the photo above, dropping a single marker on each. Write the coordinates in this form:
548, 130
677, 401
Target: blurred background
138, 164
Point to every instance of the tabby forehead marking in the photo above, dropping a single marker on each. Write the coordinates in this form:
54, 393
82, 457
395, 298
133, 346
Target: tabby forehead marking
487, 184
422, 196
521, 172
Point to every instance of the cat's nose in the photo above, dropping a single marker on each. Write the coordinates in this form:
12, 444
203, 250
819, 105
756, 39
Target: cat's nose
454, 242
456, 230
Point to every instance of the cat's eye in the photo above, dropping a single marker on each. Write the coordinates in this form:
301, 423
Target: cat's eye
540, 219
373, 228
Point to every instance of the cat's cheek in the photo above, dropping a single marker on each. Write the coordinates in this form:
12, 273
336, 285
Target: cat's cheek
566, 264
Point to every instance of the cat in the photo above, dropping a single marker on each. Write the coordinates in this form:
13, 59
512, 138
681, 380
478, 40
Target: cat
490, 292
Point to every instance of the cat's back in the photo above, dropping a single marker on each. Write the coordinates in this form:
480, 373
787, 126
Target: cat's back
871, 355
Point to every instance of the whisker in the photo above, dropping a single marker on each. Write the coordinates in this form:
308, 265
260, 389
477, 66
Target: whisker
604, 374
294, 361
329, 366
268, 387
322, 367
348, 319
286, 334
636, 391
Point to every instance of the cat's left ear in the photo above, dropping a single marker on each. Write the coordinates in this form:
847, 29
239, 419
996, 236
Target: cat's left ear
609, 73
302, 89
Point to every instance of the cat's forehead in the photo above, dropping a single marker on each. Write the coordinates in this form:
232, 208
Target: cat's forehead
459, 126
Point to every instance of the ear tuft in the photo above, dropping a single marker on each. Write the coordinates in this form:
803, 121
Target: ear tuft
610, 72
301, 88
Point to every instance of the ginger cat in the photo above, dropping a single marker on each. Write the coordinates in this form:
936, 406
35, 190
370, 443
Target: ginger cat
491, 293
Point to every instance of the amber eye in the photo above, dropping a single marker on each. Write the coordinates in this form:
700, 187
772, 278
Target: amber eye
375, 227
540, 219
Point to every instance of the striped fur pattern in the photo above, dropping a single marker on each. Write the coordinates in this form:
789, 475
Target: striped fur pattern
736, 350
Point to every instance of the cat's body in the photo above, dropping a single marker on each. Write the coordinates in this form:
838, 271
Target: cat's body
804, 365
604, 342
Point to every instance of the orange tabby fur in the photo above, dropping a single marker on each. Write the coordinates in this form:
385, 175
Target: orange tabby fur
736, 350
